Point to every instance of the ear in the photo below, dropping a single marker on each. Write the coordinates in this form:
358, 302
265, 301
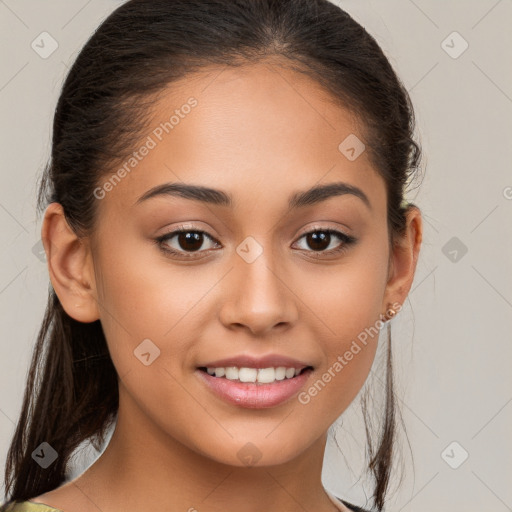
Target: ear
69, 265
403, 260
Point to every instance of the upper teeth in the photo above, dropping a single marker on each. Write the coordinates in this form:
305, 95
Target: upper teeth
263, 375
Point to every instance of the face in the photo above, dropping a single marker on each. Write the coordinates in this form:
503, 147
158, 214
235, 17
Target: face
253, 274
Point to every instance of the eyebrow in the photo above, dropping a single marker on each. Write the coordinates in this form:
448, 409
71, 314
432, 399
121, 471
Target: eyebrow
217, 197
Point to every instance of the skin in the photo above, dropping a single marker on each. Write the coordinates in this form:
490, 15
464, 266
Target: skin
260, 132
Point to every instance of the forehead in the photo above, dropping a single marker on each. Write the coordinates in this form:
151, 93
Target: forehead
259, 131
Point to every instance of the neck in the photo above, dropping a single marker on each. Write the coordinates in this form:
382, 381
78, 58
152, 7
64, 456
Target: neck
144, 468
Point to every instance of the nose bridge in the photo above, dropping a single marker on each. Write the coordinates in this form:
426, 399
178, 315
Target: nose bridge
257, 295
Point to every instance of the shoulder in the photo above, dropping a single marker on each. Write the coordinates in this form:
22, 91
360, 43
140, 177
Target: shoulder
27, 506
353, 508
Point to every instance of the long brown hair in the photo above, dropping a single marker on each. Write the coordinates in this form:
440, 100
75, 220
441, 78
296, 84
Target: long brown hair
71, 394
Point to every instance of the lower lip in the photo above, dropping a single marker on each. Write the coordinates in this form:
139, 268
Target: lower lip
252, 395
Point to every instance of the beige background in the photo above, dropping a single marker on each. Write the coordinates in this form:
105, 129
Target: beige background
452, 340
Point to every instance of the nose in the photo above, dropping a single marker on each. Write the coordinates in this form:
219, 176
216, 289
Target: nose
258, 296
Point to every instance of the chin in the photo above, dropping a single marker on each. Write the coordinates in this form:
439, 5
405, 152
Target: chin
258, 451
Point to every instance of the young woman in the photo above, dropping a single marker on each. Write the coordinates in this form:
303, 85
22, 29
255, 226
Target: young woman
226, 235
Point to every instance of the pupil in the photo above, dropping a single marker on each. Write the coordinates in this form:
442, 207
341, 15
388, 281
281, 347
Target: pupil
192, 241
317, 240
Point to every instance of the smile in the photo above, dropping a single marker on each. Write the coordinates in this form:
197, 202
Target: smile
258, 375
254, 388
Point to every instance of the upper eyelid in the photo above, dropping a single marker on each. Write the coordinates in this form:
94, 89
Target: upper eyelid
171, 234
323, 228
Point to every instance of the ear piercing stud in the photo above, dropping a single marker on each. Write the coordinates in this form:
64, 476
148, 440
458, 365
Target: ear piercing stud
390, 313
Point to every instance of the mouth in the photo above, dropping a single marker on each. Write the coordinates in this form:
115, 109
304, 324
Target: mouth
257, 376
254, 388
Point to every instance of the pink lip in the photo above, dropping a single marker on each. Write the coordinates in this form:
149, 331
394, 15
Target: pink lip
253, 395
246, 361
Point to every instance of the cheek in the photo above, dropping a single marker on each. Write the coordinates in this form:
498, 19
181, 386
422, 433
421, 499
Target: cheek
347, 298
142, 296
345, 307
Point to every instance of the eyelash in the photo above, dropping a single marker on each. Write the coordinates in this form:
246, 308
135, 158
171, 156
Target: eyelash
346, 239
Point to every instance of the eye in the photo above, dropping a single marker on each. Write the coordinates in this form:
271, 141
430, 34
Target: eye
320, 239
187, 241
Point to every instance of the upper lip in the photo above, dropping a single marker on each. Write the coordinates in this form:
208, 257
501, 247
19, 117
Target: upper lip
247, 361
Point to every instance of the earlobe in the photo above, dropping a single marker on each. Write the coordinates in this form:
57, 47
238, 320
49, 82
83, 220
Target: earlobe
69, 266
404, 258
